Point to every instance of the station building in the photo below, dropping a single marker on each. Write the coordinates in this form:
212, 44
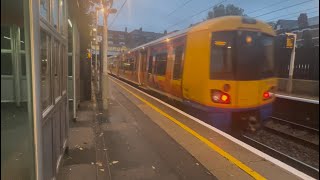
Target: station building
39, 86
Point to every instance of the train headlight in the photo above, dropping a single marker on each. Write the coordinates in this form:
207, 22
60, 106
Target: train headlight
220, 97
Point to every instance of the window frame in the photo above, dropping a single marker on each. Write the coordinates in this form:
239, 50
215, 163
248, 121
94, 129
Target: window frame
157, 56
180, 49
227, 75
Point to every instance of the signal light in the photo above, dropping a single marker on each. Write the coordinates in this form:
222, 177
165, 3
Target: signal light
220, 97
267, 95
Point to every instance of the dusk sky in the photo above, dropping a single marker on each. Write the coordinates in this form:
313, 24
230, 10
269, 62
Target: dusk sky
160, 15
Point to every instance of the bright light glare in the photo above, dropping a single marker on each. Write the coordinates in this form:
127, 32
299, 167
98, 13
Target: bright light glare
224, 97
94, 29
69, 22
6, 37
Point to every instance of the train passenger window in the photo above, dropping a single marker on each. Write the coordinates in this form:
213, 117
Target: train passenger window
132, 66
150, 64
161, 64
177, 63
45, 70
221, 55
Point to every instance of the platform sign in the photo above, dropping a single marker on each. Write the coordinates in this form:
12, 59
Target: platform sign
290, 41
99, 38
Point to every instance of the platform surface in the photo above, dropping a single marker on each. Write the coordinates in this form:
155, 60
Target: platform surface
151, 140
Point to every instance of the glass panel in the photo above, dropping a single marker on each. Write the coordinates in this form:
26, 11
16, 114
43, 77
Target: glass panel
150, 64
62, 16
70, 39
69, 65
254, 56
45, 70
5, 37
44, 8
63, 67
56, 69
17, 145
161, 64
177, 63
22, 39
55, 13
221, 55
23, 64
6, 64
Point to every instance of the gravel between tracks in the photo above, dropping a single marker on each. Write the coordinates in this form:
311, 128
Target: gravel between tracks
304, 154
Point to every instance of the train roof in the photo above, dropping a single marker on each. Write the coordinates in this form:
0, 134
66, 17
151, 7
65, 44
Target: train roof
225, 23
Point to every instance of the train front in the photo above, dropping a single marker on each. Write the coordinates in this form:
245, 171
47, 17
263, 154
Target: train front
242, 83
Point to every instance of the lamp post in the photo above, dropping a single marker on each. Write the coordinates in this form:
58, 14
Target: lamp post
105, 78
105, 87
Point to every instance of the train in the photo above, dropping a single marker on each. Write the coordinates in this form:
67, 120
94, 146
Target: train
223, 66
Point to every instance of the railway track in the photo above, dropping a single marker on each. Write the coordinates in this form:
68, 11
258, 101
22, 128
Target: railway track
282, 156
304, 135
292, 143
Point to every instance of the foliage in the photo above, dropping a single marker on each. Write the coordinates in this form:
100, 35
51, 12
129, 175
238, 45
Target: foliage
229, 10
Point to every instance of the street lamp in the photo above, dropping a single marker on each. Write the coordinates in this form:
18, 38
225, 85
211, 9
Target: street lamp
106, 11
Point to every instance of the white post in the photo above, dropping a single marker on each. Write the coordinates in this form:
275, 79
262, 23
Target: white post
105, 80
96, 44
291, 67
91, 53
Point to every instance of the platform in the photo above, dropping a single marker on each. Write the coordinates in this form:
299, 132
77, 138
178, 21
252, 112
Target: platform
153, 128
297, 97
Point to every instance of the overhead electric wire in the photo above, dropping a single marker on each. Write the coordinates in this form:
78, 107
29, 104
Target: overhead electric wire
266, 7
179, 7
296, 16
298, 12
282, 8
196, 14
118, 13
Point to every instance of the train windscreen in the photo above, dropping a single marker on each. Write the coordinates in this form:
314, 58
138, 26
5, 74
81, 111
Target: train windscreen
241, 55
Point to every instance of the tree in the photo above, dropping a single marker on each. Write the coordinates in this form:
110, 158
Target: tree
229, 10
303, 21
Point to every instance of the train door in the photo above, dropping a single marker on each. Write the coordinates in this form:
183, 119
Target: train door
149, 74
176, 88
143, 68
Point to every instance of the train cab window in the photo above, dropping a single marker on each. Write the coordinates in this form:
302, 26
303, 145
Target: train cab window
150, 64
221, 55
161, 64
254, 56
177, 63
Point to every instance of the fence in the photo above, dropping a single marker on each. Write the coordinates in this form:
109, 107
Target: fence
306, 64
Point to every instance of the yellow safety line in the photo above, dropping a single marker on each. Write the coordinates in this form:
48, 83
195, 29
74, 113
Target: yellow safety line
232, 159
